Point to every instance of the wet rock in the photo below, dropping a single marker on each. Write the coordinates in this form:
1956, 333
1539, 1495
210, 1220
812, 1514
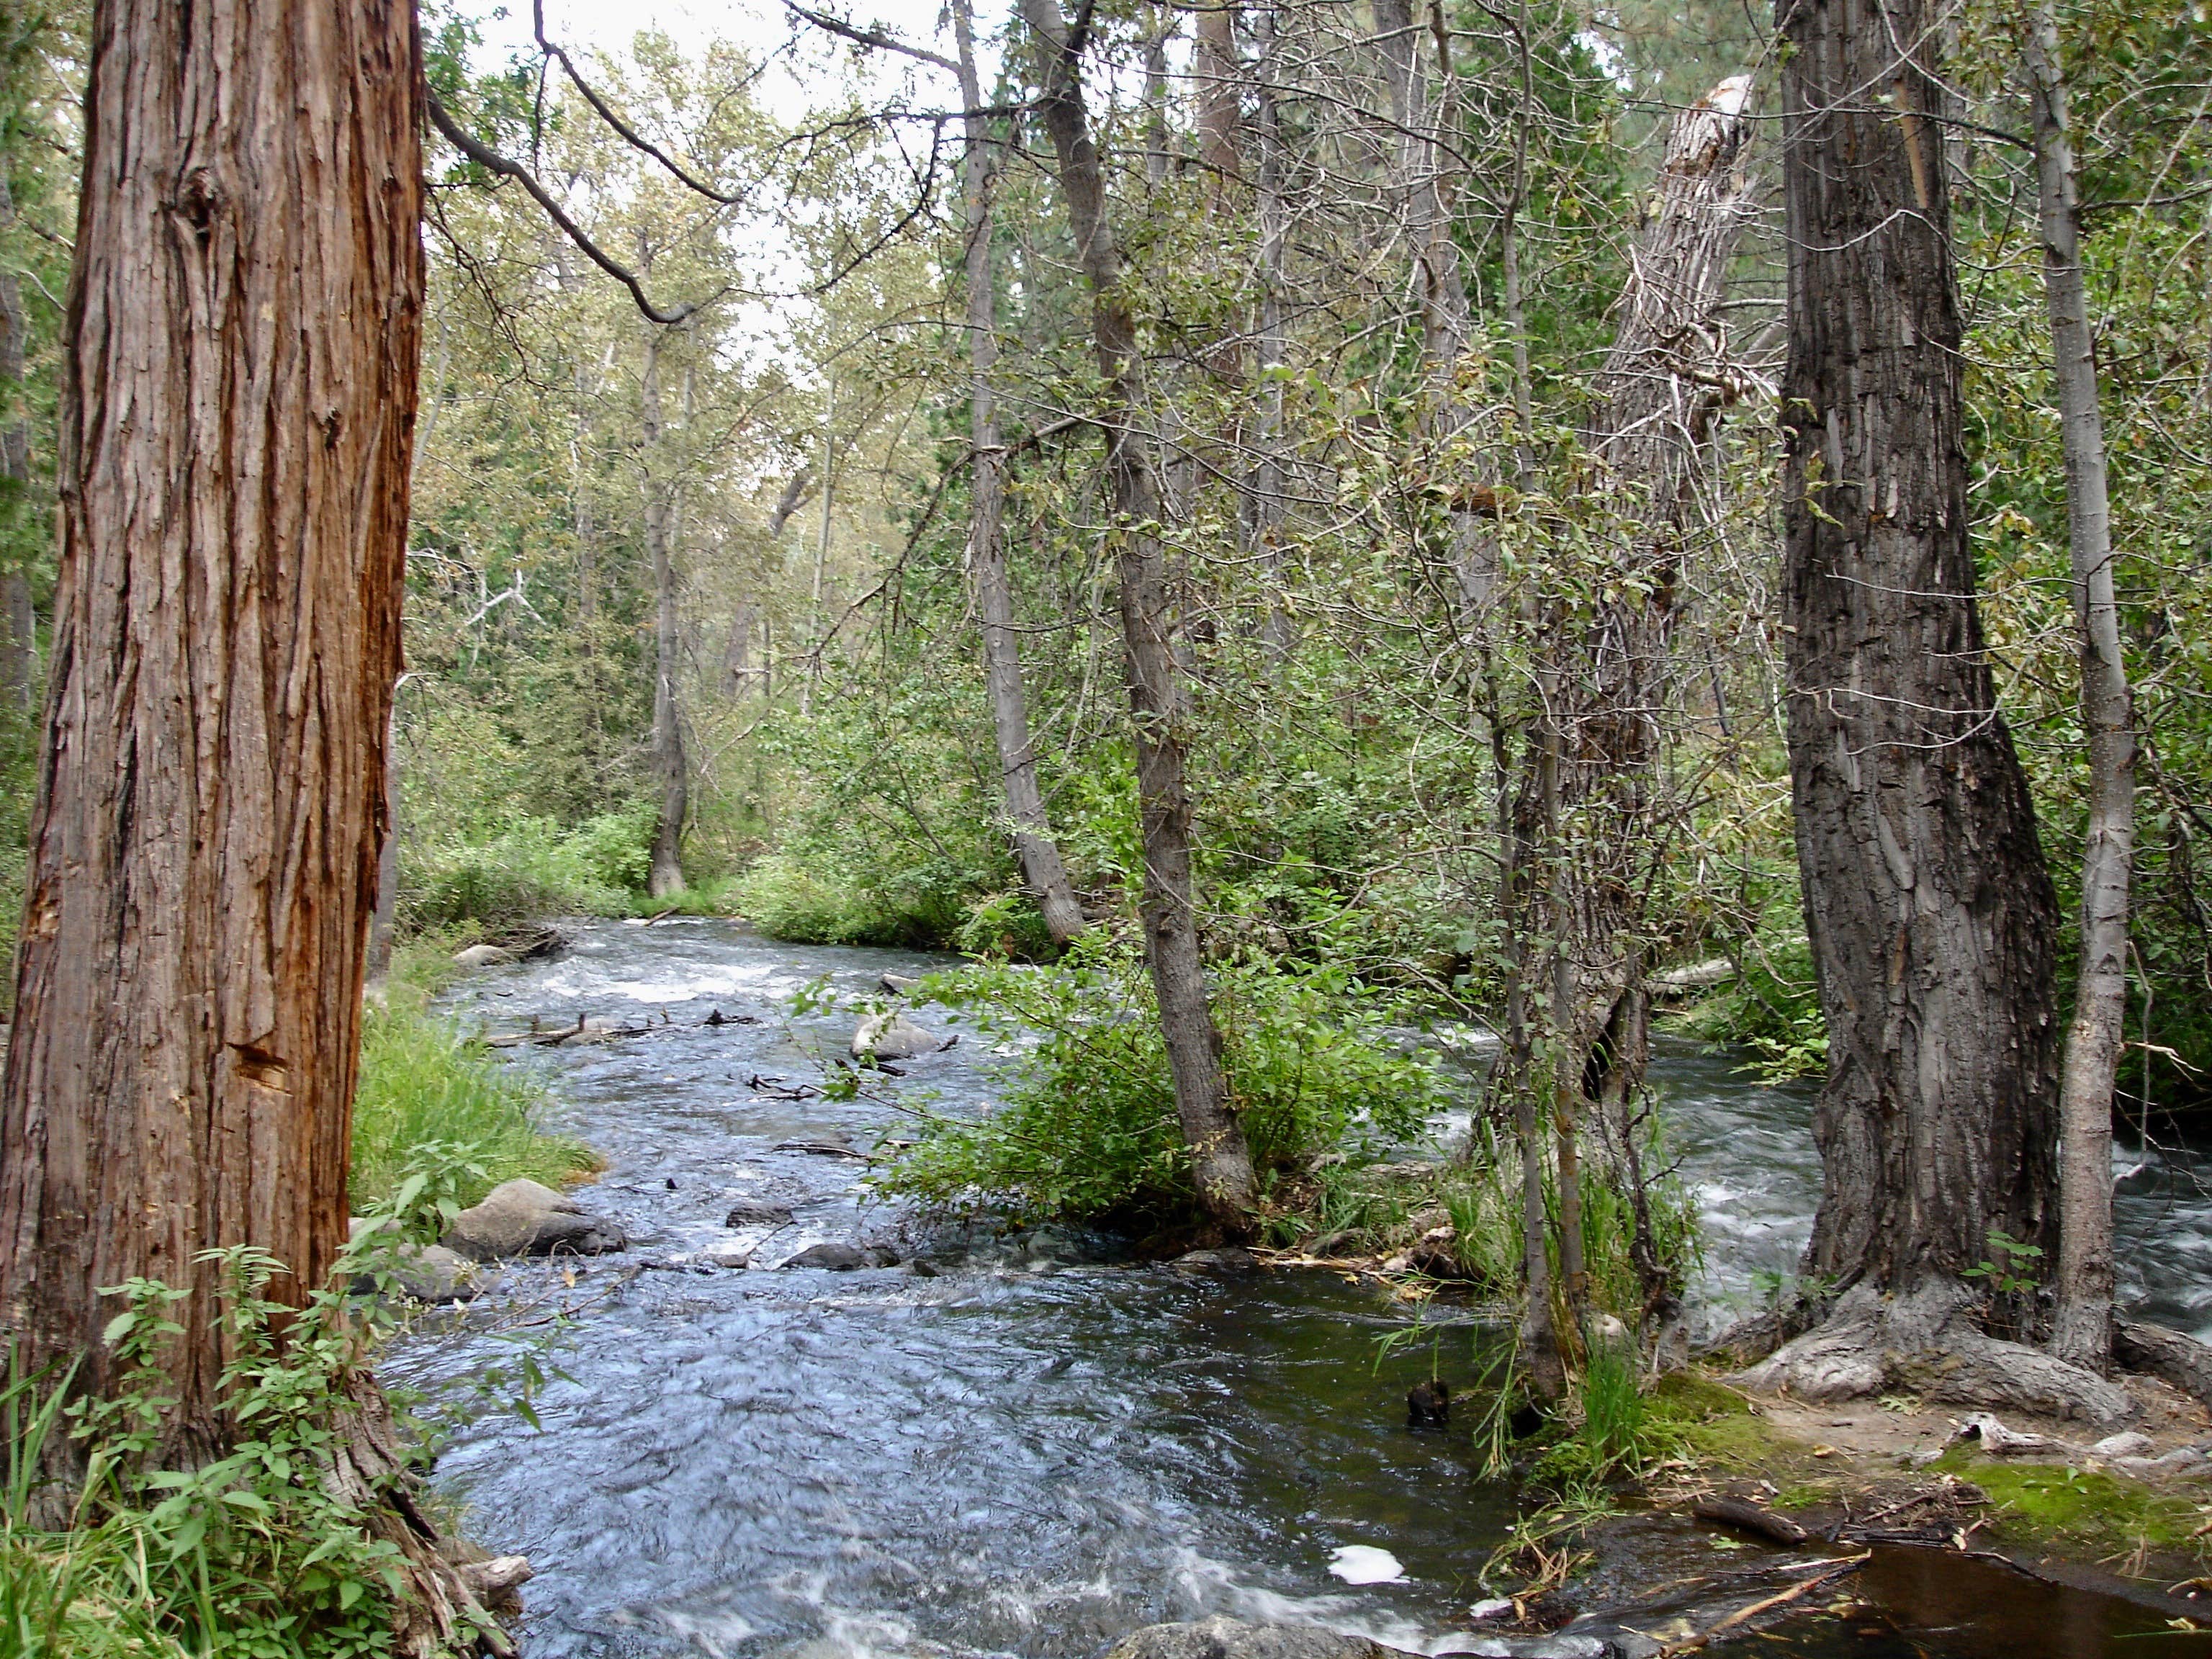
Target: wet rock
756, 1212
898, 984
484, 955
423, 1272
834, 1256
1428, 1404
521, 1218
1231, 1258
892, 1036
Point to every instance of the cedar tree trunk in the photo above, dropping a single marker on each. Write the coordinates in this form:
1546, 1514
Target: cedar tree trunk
238, 397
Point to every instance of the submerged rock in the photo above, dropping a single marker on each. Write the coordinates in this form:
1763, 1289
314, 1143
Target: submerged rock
892, 1036
1230, 1258
840, 1255
1222, 1638
522, 1218
756, 1212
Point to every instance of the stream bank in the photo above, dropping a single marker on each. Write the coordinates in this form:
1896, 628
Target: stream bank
1010, 1442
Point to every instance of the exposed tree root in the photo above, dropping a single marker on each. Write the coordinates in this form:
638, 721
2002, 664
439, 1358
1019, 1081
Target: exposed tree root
1927, 1343
440, 1613
2154, 1350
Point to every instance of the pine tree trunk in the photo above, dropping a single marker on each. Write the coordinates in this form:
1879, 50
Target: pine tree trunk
2082, 1328
1034, 846
237, 398
665, 876
1221, 1162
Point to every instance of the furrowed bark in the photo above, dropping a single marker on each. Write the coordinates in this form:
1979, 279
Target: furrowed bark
2081, 1329
1221, 1163
239, 392
665, 876
1932, 919
1933, 922
1034, 846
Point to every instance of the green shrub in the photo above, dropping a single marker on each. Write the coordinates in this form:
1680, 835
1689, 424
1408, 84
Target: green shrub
425, 1084
811, 896
1773, 1009
530, 868
1088, 1127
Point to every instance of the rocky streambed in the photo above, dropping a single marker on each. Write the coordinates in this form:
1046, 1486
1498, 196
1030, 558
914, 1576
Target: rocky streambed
782, 1422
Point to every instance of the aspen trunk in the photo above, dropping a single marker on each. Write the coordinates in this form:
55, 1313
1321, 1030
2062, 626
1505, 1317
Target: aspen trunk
1933, 921
238, 397
1221, 1163
1034, 846
671, 771
2082, 1328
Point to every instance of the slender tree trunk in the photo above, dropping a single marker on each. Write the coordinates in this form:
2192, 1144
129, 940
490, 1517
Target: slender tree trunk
1034, 846
1933, 922
2083, 1329
1266, 503
19, 644
665, 877
238, 397
1221, 1163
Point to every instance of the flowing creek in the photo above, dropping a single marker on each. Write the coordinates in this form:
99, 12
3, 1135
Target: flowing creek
1024, 1445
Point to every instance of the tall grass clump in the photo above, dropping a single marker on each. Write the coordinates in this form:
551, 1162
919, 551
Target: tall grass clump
1088, 1125
426, 1083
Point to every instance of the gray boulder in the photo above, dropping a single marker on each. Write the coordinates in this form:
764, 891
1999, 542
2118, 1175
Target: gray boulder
892, 1036
1222, 1638
484, 955
521, 1218
898, 984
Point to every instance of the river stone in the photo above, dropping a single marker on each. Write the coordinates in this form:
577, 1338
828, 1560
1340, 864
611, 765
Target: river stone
898, 984
756, 1212
892, 1036
521, 1218
484, 955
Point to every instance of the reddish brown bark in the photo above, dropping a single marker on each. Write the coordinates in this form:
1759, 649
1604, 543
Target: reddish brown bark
238, 401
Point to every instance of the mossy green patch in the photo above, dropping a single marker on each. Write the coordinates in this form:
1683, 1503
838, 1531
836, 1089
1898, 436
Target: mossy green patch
2085, 1513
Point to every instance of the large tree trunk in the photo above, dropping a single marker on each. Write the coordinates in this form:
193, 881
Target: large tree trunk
671, 771
2082, 1328
238, 396
1221, 1163
1933, 922
1034, 846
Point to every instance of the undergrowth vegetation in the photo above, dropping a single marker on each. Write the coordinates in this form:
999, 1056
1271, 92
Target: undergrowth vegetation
257, 1554
1087, 1127
430, 1093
